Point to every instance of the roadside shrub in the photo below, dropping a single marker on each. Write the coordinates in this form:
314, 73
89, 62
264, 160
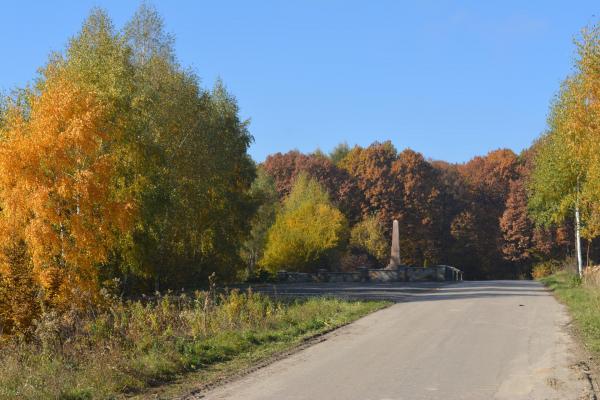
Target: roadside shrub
544, 269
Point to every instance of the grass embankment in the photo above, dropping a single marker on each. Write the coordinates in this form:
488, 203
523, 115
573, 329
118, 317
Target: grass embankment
131, 346
583, 301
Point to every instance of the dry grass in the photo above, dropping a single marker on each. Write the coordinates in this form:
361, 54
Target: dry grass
582, 297
129, 346
591, 277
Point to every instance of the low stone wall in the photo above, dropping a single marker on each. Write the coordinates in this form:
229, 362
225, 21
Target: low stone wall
386, 275
295, 277
343, 277
400, 274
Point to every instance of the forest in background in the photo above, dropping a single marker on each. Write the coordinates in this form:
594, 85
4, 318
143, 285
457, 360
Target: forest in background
474, 215
120, 173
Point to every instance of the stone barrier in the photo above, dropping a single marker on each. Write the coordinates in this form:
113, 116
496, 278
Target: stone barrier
402, 273
385, 275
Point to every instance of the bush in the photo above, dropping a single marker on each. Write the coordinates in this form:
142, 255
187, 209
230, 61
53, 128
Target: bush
368, 236
544, 269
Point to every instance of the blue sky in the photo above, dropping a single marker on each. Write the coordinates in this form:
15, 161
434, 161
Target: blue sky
447, 78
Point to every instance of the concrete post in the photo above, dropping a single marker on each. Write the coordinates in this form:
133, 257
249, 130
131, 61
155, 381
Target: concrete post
395, 253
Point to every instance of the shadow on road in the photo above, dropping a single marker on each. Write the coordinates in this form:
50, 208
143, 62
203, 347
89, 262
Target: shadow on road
404, 291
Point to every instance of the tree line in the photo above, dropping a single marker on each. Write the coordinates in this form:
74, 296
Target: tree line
473, 215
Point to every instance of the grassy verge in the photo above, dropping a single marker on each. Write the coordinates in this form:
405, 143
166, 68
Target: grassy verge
584, 306
130, 347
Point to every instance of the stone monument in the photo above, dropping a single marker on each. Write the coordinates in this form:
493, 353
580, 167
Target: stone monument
395, 254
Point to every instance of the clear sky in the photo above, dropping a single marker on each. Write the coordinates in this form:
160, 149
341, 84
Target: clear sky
450, 79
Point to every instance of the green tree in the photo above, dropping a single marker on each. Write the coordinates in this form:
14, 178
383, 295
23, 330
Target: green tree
308, 231
264, 194
558, 174
565, 178
189, 164
339, 152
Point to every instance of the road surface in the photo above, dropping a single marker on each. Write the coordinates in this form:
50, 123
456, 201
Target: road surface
468, 340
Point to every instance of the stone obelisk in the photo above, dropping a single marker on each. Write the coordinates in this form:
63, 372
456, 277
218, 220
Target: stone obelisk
395, 254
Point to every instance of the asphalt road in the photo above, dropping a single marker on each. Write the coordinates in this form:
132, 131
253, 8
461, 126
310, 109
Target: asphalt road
395, 291
468, 340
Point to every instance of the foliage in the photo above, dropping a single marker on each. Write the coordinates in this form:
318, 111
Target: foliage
419, 210
263, 192
472, 215
371, 167
307, 231
341, 187
523, 241
487, 180
117, 164
368, 236
406, 187
339, 152
517, 228
19, 292
190, 168
566, 165
128, 346
544, 269
57, 179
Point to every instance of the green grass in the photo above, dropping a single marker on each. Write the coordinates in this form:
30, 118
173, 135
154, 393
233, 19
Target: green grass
584, 306
132, 348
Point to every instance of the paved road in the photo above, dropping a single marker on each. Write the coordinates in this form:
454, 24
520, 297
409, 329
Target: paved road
395, 291
468, 340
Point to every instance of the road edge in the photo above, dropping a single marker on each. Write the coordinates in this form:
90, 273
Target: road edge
587, 365
188, 389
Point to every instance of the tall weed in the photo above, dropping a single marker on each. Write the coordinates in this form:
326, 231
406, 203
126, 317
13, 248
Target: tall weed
125, 346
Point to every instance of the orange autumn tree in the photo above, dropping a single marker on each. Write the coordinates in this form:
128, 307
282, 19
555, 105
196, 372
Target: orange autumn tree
57, 180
